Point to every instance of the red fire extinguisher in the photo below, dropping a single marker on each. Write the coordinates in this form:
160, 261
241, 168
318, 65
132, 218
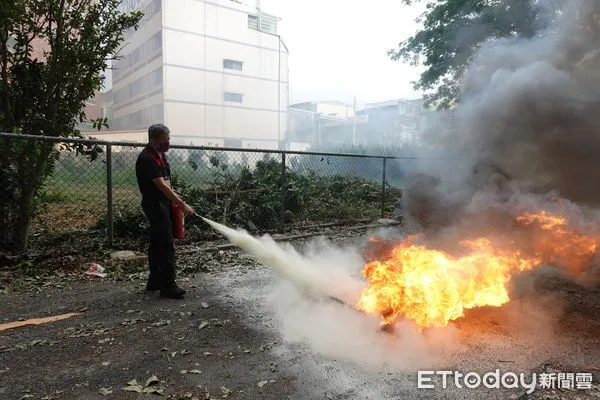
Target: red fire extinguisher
178, 222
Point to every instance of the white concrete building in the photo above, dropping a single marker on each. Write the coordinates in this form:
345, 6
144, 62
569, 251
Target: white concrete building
335, 108
214, 71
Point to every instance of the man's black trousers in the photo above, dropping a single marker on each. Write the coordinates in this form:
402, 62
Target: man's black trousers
161, 252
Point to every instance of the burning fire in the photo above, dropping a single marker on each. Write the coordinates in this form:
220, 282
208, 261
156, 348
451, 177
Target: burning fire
432, 287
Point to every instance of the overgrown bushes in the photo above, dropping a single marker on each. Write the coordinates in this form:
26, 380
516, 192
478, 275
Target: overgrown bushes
251, 197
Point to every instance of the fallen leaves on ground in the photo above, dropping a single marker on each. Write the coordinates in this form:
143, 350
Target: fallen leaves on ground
151, 386
263, 383
29, 345
193, 371
153, 380
226, 391
105, 391
214, 322
133, 388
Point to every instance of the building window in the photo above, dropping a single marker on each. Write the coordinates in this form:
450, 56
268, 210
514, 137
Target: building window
143, 53
237, 143
253, 22
140, 86
232, 64
268, 23
233, 97
156, 77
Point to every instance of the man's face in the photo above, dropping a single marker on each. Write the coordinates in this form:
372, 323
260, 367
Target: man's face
161, 143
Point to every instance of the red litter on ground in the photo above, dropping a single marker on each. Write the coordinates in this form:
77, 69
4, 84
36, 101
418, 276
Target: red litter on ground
96, 270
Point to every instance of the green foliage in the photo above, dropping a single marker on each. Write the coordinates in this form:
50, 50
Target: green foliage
52, 54
251, 197
128, 222
338, 197
238, 194
453, 30
28, 268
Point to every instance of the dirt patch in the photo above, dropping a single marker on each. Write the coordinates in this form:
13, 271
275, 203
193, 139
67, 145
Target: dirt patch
71, 216
125, 334
230, 338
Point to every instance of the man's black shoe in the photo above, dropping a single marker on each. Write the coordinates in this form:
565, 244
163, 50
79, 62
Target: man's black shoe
172, 291
152, 287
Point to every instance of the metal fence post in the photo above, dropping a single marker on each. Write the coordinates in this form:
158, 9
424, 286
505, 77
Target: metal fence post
109, 196
383, 187
283, 193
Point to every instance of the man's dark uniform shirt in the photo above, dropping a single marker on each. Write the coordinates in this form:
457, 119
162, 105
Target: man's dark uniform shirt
149, 166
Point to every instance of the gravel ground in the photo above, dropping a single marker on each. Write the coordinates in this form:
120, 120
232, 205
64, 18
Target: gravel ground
242, 333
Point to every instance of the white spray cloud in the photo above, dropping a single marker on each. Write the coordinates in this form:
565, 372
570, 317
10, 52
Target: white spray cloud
303, 303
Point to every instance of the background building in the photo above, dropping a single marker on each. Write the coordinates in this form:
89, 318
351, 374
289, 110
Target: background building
307, 121
325, 124
396, 122
215, 72
335, 108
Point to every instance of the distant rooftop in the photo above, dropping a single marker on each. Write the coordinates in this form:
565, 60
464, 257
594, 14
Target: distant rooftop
335, 103
330, 102
395, 102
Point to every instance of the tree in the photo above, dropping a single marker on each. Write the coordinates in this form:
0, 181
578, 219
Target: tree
52, 55
453, 30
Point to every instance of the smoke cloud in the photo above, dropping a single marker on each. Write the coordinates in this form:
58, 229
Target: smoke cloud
527, 131
529, 112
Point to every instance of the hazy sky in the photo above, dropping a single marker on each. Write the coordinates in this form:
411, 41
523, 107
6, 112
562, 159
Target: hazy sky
338, 48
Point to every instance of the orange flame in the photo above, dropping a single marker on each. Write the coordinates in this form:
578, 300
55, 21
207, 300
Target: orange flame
555, 243
432, 287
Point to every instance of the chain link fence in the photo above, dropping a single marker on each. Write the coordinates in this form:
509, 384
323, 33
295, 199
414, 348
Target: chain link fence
92, 188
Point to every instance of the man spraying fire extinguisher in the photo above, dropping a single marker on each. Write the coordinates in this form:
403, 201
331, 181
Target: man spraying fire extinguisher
162, 207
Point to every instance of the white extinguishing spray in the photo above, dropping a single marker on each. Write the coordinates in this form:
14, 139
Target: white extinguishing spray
287, 263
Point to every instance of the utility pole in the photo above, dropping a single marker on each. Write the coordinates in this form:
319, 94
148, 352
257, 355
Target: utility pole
259, 16
279, 146
354, 123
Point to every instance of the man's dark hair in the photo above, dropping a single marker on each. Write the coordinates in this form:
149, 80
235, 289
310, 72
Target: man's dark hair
157, 130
